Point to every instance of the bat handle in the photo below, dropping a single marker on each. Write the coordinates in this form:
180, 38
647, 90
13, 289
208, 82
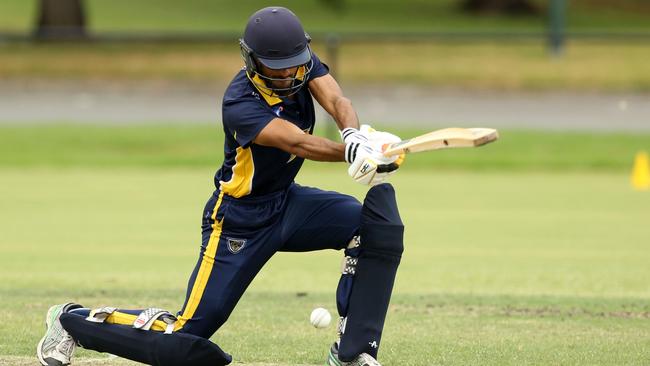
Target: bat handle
386, 149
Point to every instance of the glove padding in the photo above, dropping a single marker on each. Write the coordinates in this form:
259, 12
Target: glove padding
378, 137
366, 133
364, 151
379, 140
369, 166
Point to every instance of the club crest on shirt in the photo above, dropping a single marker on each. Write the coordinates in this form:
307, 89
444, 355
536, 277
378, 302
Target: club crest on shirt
235, 245
277, 110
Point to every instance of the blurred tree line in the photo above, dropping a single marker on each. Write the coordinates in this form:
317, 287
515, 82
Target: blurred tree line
509, 7
67, 18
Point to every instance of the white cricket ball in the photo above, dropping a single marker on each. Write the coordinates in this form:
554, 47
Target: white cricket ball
320, 318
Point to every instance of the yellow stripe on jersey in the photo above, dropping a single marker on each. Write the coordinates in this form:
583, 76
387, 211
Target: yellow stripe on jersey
269, 96
205, 269
128, 319
300, 73
241, 182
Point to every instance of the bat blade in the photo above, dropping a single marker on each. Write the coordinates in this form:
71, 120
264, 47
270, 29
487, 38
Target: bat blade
443, 139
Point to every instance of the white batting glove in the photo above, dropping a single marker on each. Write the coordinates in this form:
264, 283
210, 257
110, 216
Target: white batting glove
381, 139
366, 133
368, 165
349, 135
378, 138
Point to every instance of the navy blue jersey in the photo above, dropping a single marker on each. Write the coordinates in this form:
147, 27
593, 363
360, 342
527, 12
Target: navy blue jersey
253, 170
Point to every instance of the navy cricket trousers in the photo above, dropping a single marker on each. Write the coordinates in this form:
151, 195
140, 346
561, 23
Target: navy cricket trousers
239, 235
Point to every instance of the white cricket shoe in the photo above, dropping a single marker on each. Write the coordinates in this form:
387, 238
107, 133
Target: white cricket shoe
56, 346
363, 359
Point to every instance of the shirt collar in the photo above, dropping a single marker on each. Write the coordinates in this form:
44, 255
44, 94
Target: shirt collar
270, 97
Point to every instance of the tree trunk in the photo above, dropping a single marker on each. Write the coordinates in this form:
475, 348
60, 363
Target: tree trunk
508, 7
61, 19
336, 5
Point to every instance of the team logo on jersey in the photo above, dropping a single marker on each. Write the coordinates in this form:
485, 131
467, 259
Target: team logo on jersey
278, 110
236, 245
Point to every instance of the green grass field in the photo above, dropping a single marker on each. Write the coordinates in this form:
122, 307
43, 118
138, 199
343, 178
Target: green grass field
530, 251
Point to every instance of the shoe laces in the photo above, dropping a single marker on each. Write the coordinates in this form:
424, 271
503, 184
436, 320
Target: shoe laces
66, 345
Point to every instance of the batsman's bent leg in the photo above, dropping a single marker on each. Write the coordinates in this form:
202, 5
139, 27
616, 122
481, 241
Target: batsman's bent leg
381, 246
146, 346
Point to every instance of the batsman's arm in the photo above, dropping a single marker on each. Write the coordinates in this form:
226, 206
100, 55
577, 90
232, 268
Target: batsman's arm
286, 136
329, 95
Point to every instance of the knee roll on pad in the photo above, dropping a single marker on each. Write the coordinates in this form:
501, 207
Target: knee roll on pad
381, 229
149, 347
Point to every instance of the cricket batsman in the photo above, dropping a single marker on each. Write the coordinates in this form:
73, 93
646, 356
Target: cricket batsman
257, 210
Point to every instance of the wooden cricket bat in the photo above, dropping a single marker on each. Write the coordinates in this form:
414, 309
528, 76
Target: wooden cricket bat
443, 139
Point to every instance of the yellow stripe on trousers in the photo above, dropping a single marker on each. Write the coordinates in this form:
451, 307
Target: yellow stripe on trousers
207, 262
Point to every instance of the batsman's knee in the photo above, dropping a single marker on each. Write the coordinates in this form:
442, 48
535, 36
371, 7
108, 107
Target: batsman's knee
381, 229
204, 324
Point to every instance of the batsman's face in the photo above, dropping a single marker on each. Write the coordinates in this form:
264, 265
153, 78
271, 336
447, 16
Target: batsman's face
286, 74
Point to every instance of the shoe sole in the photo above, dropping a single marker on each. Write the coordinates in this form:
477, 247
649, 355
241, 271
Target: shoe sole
39, 353
48, 326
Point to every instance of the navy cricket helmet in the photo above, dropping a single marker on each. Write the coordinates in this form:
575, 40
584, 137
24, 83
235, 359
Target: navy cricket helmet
275, 38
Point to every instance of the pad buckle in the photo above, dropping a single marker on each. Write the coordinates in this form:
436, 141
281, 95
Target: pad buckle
100, 315
341, 326
147, 317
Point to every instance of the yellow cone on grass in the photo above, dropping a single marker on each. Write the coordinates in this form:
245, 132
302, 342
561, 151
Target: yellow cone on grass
641, 172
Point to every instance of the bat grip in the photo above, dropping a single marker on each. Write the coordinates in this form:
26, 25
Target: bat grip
387, 168
385, 148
